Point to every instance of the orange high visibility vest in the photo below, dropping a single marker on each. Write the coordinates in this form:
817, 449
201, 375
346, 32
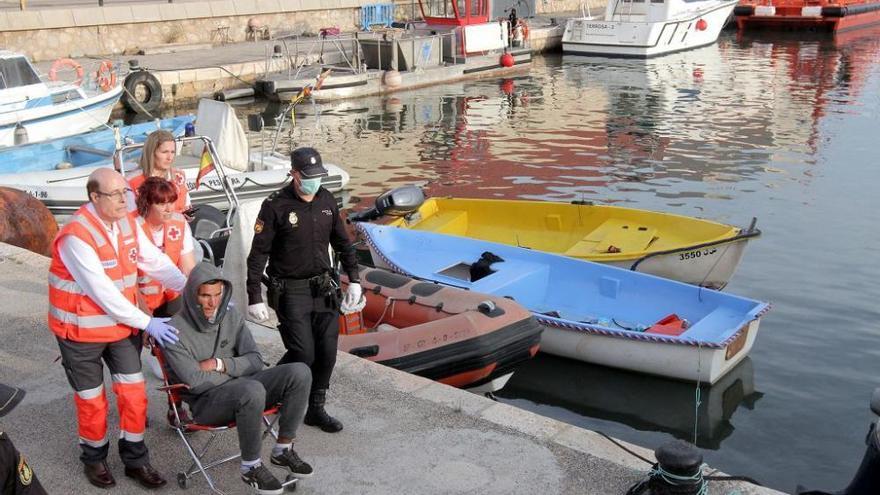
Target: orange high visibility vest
73, 315
177, 177
155, 294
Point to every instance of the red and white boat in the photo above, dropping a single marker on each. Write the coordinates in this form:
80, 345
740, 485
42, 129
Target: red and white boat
817, 15
454, 336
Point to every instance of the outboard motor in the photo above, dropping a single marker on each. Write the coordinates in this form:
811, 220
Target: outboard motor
396, 202
867, 479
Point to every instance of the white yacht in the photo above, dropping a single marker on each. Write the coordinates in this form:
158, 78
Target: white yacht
647, 28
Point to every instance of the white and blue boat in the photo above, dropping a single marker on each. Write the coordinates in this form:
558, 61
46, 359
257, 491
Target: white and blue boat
82, 150
33, 110
591, 312
56, 172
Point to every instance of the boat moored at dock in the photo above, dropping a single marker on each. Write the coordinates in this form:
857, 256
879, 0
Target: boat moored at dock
456, 40
816, 15
590, 312
642, 29
691, 250
457, 337
33, 110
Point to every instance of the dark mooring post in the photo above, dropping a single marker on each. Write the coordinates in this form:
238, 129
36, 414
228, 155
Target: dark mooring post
678, 471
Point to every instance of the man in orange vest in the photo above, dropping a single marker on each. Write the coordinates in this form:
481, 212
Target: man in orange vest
94, 315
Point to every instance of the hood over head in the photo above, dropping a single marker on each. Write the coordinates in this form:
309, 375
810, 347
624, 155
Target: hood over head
192, 310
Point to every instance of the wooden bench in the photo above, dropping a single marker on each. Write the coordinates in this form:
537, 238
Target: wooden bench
628, 237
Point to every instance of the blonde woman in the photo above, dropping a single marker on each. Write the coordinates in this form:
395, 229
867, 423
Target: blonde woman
157, 160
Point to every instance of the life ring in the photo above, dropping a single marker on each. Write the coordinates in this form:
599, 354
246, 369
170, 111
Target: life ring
66, 63
143, 93
106, 76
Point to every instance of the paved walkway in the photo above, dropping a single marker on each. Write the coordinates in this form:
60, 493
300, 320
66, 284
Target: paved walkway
403, 434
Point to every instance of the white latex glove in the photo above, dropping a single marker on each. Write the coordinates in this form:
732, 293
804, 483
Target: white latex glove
352, 294
354, 299
258, 312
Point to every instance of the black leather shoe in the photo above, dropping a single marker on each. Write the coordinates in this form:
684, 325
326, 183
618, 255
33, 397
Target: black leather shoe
148, 477
99, 475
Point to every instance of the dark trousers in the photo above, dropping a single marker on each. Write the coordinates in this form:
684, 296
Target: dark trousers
83, 365
244, 399
309, 328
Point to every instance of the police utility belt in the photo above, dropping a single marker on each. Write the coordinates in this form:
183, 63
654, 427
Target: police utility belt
322, 285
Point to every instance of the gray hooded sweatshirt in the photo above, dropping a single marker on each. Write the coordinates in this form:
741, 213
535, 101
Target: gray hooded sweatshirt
227, 338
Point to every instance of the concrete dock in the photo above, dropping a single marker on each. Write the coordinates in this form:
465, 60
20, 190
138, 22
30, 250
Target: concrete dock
190, 71
403, 433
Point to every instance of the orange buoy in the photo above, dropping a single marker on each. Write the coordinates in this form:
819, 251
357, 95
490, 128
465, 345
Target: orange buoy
26, 222
67, 63
507, 60
106, 76
702, 25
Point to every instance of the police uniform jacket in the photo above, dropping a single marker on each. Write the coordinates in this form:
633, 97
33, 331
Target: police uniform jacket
293, 234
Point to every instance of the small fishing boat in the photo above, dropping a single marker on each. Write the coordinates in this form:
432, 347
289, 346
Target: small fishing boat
591, 312
818, 15
640, 29
457, 337
251, 173
81, 150
33, 110
682, 248
455, 39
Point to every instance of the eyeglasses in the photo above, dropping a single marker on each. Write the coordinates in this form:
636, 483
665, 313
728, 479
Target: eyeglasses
115, 194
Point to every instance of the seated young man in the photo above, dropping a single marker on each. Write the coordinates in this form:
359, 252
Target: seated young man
218, 359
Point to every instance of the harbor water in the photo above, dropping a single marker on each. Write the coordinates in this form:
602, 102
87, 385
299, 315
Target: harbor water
778, 128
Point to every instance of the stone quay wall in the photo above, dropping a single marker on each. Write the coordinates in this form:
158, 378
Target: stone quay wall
47, 34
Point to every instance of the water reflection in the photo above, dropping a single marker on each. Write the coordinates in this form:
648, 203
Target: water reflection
646, 403
776, 127
677, 127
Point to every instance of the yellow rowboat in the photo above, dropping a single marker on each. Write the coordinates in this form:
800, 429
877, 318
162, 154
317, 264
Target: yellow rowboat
687, 249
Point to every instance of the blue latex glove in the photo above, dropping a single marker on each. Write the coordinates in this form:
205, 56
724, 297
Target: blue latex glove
161, 331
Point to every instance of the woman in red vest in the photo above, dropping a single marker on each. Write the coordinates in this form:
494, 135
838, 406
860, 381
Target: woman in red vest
157, 160
156, 200
156, 207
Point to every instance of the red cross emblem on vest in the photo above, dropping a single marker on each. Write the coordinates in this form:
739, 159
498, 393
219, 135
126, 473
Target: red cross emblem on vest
180, 179
173, 233
133, 255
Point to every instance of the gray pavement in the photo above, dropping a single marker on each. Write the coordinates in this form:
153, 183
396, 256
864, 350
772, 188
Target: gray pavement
403, 434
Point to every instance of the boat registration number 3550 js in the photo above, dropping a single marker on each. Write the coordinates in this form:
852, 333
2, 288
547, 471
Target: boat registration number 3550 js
692, 255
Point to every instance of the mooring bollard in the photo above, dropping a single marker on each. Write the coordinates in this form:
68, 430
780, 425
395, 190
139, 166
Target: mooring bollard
679, 471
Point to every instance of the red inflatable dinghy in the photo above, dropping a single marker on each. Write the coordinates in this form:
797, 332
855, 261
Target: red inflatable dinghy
457, 337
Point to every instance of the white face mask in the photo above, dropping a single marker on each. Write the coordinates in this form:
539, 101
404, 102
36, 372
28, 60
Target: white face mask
309, 186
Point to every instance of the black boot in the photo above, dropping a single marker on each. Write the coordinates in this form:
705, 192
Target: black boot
317, 416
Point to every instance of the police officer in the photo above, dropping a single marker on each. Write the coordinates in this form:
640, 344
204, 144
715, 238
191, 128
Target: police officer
293, 229
16, 475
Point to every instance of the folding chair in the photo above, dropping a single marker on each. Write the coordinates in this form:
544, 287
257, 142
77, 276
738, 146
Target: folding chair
199, 465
